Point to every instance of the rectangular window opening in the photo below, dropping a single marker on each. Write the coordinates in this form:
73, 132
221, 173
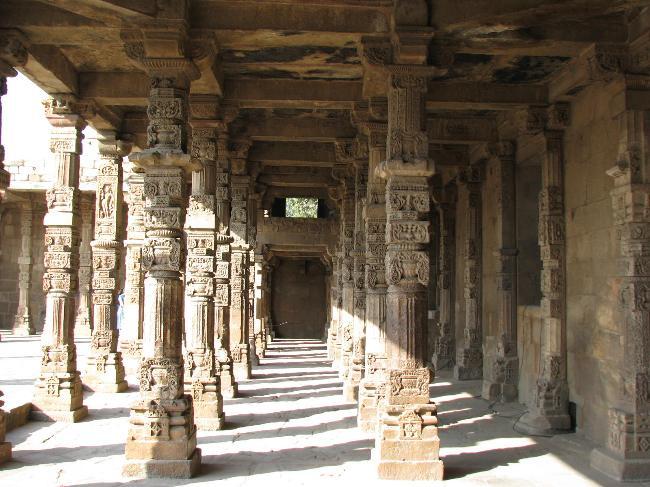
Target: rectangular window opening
302, 208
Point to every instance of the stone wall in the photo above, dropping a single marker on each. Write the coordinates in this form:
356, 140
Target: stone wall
299, 298
594, 333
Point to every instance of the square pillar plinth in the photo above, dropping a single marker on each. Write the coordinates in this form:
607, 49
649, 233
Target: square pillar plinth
58, 397
408, 444
620, 468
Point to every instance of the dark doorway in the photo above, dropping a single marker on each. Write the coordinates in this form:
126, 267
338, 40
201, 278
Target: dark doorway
298, 303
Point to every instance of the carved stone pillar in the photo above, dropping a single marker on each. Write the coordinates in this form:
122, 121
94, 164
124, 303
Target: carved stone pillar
201, 379
444, 354
260, 304
407, 443
84, 318
469, 364
357, 365
332, 332
23, 323
370, 388
58, 395
223, 267
626, 456
240, 186
131, 332
346, 313
550, 409
161, 440
253, 200
502, 375
105, 371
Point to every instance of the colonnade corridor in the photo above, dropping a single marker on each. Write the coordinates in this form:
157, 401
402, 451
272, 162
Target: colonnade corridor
289, 426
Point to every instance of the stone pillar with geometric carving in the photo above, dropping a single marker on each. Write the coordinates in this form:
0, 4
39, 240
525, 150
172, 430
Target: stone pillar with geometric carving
501, 378
332, 331
444, 354
58, 395
105, 370
549, 411
626, 456
161, 440
83, 324
253, 203
24, 322
357, 365
260, 304
131, 332
407, 443
370, 388
239, 265
201, 379
469, 365
223, 267
346, 312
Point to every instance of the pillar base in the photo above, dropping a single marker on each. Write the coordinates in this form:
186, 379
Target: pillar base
228, 384
24, 329
468, 373
156, 469
241, 370
5, 452
498, 391
58, 416
533, 423
105, 373
407, 446
618, 468
351, 390
367, 415
58, 397
208, 403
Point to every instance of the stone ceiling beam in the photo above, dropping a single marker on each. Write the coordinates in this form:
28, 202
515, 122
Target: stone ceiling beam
294, 17
110, 12
293, 153
48, 67
444, 95
461, 130
298, 129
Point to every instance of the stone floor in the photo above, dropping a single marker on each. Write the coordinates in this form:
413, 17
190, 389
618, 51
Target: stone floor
290, 427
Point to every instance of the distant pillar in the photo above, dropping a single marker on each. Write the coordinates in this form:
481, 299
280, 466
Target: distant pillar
24, 323
83, 326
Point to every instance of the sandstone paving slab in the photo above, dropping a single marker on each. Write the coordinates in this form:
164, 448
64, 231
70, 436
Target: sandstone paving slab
291, 426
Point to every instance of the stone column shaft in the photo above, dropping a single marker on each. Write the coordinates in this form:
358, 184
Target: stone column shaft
626, 456
161, 440
223, 267
58, 395
550, 408
502, 377
23, 323
355, 374
105, 371
252, 243
83, 325
469, 364
131, 332
372, 386
444, 354
201, 378
239, 212
260, 298
332, 332
407, 443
